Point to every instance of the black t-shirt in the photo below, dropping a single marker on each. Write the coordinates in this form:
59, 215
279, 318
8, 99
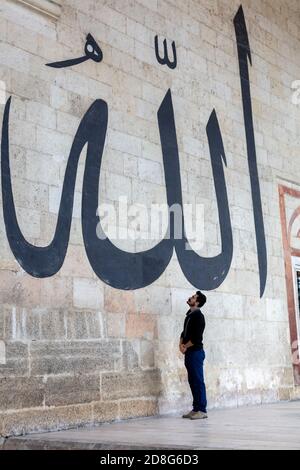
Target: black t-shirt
194, 325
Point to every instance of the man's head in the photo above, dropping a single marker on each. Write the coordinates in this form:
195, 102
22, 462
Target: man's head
197, 300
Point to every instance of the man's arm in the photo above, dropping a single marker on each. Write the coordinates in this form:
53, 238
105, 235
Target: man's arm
188, 344
181, 343
184, 345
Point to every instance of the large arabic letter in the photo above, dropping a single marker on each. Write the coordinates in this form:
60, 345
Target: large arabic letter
46, 261
165, 60
118, 268
68, 63
92, 51
244, 53
206, 273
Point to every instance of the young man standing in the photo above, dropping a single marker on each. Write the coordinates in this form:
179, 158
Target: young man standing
191, 345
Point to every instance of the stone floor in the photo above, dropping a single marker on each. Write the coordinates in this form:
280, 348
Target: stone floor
275, 426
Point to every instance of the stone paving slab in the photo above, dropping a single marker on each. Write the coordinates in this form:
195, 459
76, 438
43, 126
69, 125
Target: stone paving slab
274, 426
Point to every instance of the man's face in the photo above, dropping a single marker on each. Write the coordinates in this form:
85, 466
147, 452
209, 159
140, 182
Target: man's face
192, 301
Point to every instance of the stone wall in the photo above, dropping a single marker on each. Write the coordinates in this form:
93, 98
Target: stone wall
74, 350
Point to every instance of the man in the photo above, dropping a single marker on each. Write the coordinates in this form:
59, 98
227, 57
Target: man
191, 346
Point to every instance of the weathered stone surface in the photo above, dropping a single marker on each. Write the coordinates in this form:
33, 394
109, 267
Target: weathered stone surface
57, 293
76, 262
22, 324
148, 353
129, 384
136, 408
19, 290
87, 294
73, 356
22, 392
47, 419
53, 325
84, 324
115, 325
153, 300
68, 390
118, 301
130, 354
105, 411
141, 325
17, 360
284, 393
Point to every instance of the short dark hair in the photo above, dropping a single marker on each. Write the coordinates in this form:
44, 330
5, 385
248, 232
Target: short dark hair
201, 298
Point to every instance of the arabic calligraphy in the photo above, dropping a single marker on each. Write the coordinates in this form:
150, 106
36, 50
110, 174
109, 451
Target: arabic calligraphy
116, 267
92, 51
172, 64
244, 54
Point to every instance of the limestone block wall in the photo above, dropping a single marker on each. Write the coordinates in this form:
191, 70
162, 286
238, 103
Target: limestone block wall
75, 349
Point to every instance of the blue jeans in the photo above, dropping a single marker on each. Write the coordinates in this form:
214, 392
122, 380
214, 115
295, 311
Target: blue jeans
193, 361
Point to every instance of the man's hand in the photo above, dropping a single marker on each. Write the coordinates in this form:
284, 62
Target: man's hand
182, 348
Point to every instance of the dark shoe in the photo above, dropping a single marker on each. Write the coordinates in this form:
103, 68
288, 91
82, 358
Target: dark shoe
198, 415
189, 415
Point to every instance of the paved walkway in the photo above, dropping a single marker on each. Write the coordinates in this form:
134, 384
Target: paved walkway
275, 426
